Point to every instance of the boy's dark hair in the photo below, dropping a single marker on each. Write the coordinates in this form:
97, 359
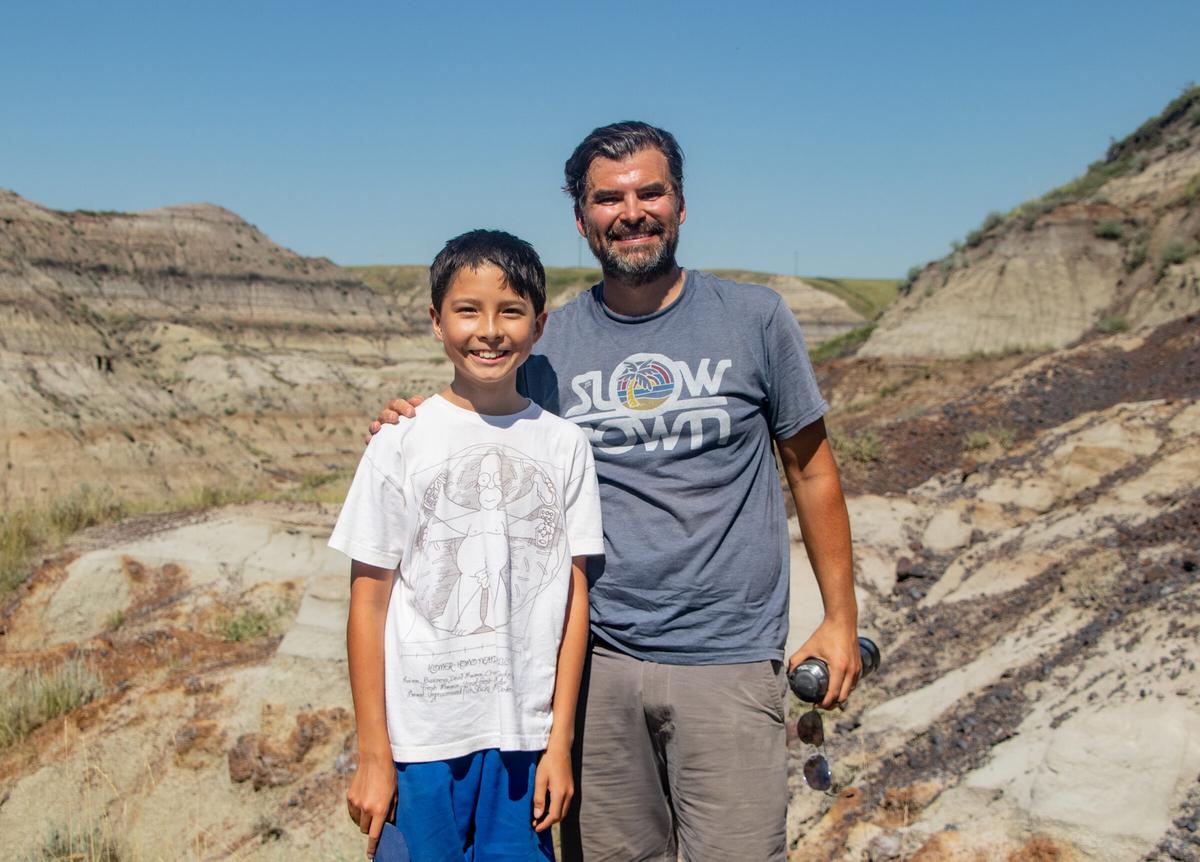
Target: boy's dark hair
511, 255
620, 141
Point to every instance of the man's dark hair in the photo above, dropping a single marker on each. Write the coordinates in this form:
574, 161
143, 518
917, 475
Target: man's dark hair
620, 141
511, 255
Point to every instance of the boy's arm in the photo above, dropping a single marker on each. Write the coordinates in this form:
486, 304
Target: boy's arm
554, 777
812, 476
369, 798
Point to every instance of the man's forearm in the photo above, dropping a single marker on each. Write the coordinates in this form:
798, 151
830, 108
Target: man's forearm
812, 477
825, 526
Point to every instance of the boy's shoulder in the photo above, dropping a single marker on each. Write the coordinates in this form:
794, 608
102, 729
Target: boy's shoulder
392, 440
556, 425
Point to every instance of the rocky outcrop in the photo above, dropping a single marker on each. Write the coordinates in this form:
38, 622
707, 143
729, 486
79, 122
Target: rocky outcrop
1117, 248
1035, 593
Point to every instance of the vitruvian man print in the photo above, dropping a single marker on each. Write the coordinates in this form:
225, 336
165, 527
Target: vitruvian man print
489, 537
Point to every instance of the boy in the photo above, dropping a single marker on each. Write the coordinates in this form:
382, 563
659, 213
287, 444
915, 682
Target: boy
468, 529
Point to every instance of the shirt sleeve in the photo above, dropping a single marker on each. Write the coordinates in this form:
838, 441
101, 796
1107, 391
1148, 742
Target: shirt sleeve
793, 399
372, 524
585, 532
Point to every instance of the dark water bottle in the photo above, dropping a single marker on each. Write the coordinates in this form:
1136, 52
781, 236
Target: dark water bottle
810, 679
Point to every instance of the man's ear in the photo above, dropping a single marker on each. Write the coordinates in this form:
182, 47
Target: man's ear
682, 209
436, 319
579, 222
539, 324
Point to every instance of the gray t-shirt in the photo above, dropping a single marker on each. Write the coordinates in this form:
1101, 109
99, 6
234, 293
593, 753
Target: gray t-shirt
681, 407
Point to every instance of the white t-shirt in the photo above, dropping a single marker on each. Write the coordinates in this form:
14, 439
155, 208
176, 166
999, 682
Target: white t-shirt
481, 515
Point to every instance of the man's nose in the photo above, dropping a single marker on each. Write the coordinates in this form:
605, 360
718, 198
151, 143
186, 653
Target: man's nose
631, 208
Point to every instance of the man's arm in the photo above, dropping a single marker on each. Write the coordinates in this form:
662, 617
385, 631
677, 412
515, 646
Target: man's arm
369, 798
812, 476
554, 769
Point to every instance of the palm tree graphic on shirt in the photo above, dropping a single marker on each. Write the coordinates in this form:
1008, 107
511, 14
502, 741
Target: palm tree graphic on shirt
644, 384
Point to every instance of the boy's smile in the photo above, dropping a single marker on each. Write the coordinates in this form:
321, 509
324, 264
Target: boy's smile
487, 330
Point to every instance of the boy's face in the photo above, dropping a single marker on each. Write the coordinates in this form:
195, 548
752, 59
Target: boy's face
486, 328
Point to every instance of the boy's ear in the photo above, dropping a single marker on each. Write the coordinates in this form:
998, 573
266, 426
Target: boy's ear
539, 323
436, 319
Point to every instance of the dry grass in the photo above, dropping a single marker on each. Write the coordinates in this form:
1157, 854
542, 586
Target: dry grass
95, 843
41, 696
26, 534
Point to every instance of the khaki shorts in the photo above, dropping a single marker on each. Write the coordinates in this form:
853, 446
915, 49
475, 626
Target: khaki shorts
679, 761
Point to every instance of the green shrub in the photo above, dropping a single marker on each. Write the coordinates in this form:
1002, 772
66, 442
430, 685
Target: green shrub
39, 697
1109, 229
991, 220
1176, 251
1136, 256
975, 440
841, 345
864, 447
248, 625
1111, 324
1190, 194
1003, 437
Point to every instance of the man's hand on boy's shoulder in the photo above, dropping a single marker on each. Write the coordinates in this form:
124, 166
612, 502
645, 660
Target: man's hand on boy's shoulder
390, 415
554, 779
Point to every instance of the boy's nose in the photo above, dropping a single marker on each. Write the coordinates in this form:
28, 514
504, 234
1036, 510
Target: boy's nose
489, 326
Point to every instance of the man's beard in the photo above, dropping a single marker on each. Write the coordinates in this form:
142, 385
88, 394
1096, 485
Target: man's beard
644, 265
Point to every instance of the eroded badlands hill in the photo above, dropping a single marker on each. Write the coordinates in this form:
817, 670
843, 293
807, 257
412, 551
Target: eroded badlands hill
163, 352
1117, 248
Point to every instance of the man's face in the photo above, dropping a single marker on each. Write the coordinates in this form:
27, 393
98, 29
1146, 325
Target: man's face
630, 216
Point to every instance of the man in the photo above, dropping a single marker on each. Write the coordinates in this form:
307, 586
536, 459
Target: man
683, 382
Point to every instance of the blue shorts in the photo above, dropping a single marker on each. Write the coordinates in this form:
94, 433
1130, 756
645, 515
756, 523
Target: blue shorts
475, 808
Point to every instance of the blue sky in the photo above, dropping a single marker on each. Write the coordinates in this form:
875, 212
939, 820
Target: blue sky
855, 138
